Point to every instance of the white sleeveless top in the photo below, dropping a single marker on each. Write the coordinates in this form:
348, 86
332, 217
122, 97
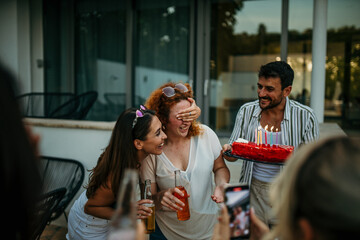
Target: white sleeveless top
82, 226
198, 180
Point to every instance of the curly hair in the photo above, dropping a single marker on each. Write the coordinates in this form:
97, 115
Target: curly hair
162, 104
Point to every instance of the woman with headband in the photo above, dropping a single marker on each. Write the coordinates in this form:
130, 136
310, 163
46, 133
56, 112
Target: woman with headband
137, 133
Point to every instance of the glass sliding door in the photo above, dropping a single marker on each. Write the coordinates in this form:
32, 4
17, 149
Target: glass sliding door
100, 55
161, 49
342, 87
299, 48
58, 39
244, 35
94, 56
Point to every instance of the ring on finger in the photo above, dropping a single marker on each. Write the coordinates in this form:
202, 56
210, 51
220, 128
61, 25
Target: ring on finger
189, 113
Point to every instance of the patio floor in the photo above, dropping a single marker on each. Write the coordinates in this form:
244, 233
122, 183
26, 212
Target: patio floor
54, 232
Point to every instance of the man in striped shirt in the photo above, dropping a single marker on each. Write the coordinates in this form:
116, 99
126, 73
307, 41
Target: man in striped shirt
294, 123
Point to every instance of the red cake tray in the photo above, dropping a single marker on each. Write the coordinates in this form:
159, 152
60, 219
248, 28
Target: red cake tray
228, 153
263, 153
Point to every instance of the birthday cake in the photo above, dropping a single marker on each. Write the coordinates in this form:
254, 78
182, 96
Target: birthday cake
261, 152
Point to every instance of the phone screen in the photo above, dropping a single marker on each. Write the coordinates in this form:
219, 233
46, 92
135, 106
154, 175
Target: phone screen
237, 199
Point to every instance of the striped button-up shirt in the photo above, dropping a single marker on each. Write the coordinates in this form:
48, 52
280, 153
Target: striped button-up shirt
299, 126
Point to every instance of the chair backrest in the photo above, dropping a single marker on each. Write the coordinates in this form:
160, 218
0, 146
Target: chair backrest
47, 203
40, 104
58, 173
76, 108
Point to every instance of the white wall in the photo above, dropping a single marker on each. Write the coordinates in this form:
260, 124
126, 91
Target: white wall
84, 145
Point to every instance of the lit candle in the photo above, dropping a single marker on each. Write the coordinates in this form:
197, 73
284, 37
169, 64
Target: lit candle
271, 139
266, 127
277, 136
258, 134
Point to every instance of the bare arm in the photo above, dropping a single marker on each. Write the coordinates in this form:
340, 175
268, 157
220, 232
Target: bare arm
222, 177
100, 204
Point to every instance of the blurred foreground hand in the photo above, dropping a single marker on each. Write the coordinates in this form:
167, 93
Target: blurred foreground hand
34, 140
222, 229
257, 229
140, 231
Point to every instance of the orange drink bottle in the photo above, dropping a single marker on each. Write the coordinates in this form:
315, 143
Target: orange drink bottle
185, 213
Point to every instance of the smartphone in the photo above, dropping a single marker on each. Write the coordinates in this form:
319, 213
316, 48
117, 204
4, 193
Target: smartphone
237, 200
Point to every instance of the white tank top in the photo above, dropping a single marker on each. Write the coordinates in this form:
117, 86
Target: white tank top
266, 172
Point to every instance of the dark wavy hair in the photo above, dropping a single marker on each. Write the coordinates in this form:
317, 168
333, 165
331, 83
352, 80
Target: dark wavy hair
121, 152
278, 69
162, 104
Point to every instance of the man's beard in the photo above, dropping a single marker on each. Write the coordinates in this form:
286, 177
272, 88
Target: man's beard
271, 104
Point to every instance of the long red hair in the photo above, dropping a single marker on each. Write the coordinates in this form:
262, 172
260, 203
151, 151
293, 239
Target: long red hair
162, 104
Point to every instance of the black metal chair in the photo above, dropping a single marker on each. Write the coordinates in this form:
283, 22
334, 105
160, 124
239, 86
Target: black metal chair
58, 173
42, 105
76, 108
47, 204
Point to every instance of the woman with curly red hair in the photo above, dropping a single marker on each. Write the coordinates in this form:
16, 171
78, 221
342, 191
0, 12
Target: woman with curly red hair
195, 150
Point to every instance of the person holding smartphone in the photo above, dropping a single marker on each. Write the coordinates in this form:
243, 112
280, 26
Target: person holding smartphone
237, 200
